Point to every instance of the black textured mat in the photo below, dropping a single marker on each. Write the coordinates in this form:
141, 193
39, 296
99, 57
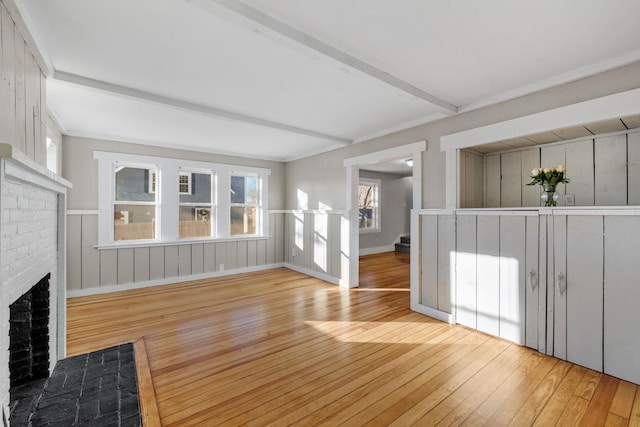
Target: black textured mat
94, 389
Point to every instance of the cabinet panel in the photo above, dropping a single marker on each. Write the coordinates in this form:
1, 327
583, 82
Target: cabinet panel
633, 147
446, 247
532, 283
557, 286
492, 184
429, 285
466, 271
584, 290
611, 170
621, 296
530, 193
488, 274
471, 180
580, 172
512, 291
511, 182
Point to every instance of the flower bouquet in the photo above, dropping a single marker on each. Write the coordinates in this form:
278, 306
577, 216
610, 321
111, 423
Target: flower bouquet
548, 178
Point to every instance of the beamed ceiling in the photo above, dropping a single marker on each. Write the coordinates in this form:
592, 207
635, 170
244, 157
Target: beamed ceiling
285, 79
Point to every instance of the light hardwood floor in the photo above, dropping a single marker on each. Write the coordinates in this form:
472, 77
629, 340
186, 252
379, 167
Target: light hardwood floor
279, 348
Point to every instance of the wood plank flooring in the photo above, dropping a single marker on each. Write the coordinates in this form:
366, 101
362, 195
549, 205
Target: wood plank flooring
280, 348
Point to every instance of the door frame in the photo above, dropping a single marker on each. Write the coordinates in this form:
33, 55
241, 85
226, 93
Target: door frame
350, 242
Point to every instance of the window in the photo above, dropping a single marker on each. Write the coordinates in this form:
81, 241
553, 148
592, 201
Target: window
52, 155
147, 200
196, 208
368, 205
184, 182
134, 211
244, 212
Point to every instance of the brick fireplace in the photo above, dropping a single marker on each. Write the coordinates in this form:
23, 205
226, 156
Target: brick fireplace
32, 263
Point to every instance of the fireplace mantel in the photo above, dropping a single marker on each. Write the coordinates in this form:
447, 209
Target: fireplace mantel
19, 165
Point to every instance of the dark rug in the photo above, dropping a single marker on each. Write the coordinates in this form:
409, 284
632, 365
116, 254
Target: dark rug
94, 389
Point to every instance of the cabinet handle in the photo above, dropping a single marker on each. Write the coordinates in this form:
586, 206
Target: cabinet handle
561, 284
533, 279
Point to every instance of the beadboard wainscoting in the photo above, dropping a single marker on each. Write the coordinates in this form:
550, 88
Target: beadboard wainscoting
313, 242
92, 270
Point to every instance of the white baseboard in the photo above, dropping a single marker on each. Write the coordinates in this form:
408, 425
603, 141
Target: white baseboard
313, 273
436, 314
168, 281
377, 250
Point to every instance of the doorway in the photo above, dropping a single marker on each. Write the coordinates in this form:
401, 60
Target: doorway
350, 278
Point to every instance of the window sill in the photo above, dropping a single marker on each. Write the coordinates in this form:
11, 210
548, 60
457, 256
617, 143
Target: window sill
152, 243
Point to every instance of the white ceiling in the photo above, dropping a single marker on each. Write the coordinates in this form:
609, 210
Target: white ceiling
287, 79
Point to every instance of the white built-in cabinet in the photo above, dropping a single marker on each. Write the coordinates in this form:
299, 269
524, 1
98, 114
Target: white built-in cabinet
496, 268
564, 282
596, 263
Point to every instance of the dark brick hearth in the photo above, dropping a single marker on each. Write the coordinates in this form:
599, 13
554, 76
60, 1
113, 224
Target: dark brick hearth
29, 335
94, 389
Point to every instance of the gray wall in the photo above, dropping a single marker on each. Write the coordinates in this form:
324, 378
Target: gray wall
88, 267
395, 208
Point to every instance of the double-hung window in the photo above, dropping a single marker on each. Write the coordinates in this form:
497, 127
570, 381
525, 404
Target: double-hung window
134, 206
368, 205
196, 204
147, 200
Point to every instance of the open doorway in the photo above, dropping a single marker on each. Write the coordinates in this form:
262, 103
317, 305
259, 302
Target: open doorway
363, 165
385, 200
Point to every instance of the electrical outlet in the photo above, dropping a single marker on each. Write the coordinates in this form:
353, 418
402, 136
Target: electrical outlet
221, 267
294, 252
569, 199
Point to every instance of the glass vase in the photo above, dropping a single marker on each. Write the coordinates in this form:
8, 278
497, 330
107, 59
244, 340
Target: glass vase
549, 197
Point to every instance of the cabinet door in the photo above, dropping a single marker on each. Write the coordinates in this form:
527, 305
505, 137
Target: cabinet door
429, 251
466, 271
532, 286
488, 274
557, 275
584, 290
621, 296
512, 278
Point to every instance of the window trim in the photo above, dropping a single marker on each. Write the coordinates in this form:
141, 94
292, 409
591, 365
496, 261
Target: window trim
168, 201
377, 184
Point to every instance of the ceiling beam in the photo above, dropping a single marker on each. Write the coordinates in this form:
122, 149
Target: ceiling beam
140, 95
317, 45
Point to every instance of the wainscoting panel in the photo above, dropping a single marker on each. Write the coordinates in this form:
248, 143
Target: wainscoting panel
89, 267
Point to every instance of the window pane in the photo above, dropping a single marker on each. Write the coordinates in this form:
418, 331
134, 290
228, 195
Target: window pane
243, 220
244, 190
195, 221
368, 206
251, 190
237, 189
132, 185
200, 189
134, 222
